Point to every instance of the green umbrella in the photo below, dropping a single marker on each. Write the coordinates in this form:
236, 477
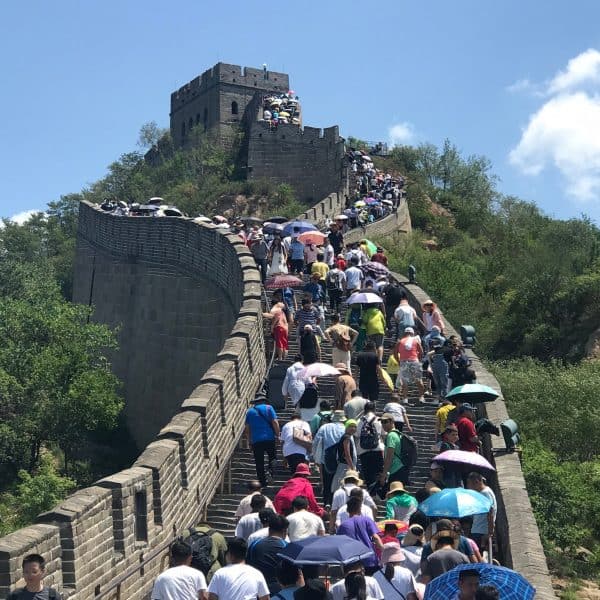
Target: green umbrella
473, 392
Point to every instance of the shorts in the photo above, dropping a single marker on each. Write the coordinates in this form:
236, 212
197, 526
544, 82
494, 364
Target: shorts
280, 336
377, 338
410, 371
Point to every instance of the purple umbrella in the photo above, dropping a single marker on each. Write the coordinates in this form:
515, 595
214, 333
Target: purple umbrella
376, 268
468, 460
370, 200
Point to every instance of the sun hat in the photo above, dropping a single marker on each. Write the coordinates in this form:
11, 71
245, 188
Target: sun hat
444, 528
427, 302
391, 553
302, 469
396, 486
415, 534
351, 474
388, 417
338, 416
409, 330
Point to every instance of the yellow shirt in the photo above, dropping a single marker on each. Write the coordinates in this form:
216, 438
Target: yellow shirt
442, 416
321, 268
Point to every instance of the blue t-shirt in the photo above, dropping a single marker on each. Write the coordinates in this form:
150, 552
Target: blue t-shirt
259, 419
297, 250
288, 297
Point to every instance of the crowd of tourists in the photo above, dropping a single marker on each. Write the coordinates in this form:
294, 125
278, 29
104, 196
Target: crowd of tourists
281, 108
349, 462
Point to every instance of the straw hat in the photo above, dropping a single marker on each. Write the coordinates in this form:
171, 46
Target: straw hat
391, 553
396, 486
415, 534
350, 474
338, 416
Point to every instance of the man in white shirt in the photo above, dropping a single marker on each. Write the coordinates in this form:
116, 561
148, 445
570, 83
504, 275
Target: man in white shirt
243, 508
352, 481
181, 581
237, 581
296, 439
354, 276
301, 523
338, 590
250, 523
366, 511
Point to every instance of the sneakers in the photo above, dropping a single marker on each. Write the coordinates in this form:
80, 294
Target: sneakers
422, 400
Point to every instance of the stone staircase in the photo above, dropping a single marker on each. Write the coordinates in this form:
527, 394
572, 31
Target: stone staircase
221, 511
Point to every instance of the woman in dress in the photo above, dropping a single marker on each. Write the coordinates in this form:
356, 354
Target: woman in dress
277, 258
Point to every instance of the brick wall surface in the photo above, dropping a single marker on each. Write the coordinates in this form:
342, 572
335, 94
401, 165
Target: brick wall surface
172, 276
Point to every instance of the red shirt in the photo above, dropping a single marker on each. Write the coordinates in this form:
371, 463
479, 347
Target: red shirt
296, 486
466, 431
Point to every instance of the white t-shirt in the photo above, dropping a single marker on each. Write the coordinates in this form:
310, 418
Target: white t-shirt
258, 535
238, 582
244, 507
287, 437
338, 590
246, 525
480, 522
340, 497
303, 524
403, 581
179, 583
342, 514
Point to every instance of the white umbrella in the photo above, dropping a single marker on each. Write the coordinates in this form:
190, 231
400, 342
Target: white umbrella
202, 219
388, 202
364, 298
340, 218
318, 370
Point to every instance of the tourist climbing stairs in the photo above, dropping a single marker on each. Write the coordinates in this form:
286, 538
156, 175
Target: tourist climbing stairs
221, 510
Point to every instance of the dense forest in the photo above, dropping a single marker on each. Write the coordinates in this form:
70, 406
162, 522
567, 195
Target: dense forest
530, 284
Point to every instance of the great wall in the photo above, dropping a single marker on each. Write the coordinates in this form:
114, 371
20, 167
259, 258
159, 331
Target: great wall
198, 324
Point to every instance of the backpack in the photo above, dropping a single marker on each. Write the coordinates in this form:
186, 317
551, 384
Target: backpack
310, 396
369, 438
408, 450
333, 281
331, 456
323, 419
18, 594
202, 545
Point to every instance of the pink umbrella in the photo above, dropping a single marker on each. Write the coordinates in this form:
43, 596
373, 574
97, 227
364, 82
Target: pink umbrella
312, 237
468, 460
282, 281
318, 370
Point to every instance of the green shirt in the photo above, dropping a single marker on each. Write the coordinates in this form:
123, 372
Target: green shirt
394, 440
400, 507
373, 321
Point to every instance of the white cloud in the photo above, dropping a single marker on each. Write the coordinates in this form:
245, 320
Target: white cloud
22, 217
521, 85
581, 70
401, 133
564, 132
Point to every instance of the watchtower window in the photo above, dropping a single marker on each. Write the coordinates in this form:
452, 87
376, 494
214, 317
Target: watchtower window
234, 108
141, 518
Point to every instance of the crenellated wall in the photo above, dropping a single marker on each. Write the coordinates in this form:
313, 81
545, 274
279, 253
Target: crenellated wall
102, 533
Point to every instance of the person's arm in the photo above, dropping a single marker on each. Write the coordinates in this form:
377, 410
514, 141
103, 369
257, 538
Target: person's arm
353, 334
377, 542
388, 457
203, 595
476, 556
275, 425
395, 354
348, 453
247, 433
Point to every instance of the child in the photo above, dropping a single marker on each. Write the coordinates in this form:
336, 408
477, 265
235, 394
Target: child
34, 569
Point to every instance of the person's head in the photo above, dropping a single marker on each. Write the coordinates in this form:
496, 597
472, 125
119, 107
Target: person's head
357, 492
409, 332
475, 481
352, 477
236, 550
354, 505
300, 503
181, 554
320, 257
315, 277
415, 536
314, 589
468, 582
278, 525
436, 471
428, 306
288, 574
487, 592
277, 295
387, 422
354, 261
296, 415
356, 586
390, 530
342, 368
445, 535
302, 470
370, 346
254, 485
335, 318
450, 434
324, 405
369, 407
379, 249
263, 516
350, 426
306, 302
257, 502
466, 410
34, 569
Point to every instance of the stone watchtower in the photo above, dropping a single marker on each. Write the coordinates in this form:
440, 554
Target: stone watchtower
222, 99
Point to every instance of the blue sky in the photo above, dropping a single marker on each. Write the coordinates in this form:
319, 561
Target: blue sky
516, 81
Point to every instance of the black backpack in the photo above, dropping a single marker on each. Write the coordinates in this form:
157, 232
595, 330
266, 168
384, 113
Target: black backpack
333, 281
310, 397
18, 594
409, 451
369, 438
202, 545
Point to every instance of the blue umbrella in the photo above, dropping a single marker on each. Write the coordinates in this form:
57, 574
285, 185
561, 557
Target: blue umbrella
455, 503
510, 584
473, 392
325, 550
301, 225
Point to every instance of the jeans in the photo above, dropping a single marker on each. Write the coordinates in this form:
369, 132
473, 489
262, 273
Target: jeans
335, 299
259, 449
261, 263
327, 480
293, 460
297, 265
440, 379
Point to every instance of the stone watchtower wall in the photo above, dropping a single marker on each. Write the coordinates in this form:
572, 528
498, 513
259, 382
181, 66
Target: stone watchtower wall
219, 98
179, 269
309, 159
